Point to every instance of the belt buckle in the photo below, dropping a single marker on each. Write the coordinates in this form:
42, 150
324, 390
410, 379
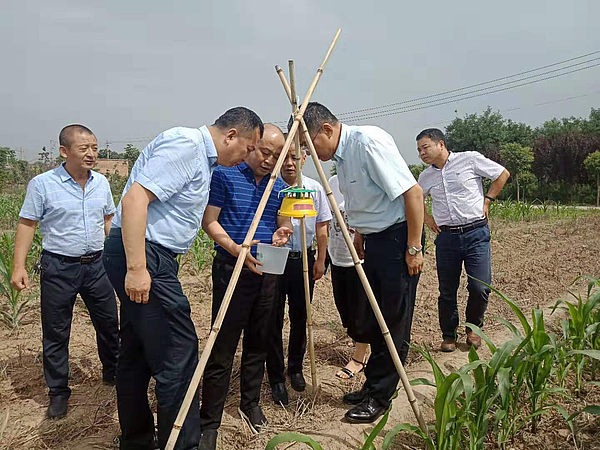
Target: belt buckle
456, 230
86, 259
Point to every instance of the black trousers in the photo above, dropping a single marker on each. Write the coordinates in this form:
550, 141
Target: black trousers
158, 340
61, 281
291, 286
250, 311
395, 291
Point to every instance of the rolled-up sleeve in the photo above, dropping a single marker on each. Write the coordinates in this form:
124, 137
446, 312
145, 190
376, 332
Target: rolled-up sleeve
33, 206
387, 168
173, 164
485, 167
323, 211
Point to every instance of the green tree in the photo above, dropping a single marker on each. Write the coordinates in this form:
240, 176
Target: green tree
131, 155
592, 165
44, 158
416, 169
486, 133
517, 159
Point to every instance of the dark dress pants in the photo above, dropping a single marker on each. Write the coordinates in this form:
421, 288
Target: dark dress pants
395, 291
250, 310
158, 340
452, 250
291, 286
61, 281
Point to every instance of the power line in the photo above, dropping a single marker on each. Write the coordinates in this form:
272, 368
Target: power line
453, 99
523, 107
474, 85
350, 115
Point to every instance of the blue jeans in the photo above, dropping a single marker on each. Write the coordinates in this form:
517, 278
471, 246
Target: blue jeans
451, 250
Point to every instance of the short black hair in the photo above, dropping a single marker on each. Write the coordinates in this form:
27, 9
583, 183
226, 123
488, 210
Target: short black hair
65, 138
243, 119
315, 116
432, 133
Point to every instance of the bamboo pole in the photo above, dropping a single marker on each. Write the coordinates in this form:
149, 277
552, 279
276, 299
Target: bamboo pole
305, 274
193, 386
361, 273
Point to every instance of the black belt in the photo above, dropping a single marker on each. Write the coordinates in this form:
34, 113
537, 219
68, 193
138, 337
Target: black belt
460, 229
297, 254
84, 259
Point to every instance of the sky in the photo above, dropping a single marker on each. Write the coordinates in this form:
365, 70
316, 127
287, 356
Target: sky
131, 69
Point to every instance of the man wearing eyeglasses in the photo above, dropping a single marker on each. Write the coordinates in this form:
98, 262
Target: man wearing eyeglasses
384, 204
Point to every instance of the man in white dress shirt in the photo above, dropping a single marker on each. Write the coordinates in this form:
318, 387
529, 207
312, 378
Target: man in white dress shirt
291, 286
460, 220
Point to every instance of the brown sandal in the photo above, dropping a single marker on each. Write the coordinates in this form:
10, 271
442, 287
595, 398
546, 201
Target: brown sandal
348, 372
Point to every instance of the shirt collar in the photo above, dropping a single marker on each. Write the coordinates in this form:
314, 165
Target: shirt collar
450, 156
341, 148
64, 175
209, 146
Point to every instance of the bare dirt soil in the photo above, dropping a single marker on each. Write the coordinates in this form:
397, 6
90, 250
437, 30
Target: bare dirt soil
533, 263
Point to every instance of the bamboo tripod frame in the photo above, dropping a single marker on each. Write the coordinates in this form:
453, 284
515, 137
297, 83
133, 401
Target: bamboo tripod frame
361, 273
305, 274
193, 387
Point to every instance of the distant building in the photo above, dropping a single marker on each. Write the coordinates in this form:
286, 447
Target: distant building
108, 166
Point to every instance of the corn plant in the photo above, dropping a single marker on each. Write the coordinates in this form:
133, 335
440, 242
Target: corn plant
581, 329
201, 252
16, 302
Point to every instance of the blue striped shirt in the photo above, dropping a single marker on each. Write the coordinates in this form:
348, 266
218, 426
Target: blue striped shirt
71, 219
176, 167
234, 190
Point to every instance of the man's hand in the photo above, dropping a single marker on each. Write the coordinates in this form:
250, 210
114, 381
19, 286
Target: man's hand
318, 269
359, 245
251, 262
430, 222
486, 207
19, 279
281, 236
414, 263
137, 285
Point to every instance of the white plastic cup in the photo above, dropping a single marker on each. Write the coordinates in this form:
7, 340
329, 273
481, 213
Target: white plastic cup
273, 259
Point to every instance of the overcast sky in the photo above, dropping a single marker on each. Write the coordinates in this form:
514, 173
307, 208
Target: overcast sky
131, 69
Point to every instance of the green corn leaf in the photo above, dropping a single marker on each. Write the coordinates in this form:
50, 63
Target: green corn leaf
369, 442
421, 382
592, 409
389, 437
479, 332
284, 438
591, 353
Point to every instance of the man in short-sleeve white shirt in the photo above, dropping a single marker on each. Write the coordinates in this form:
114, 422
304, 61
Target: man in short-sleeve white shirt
384, 205
291, 286
460, 219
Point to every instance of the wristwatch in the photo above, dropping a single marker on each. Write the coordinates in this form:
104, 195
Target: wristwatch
412, 251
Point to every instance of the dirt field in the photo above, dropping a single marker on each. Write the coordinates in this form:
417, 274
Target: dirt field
533, 263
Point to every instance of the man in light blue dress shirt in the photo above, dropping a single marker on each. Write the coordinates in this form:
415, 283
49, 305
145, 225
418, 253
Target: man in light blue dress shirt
158, 218
384, 204
74, 206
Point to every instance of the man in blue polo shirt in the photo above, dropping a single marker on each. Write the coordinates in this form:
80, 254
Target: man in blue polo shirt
234, 197
74, 206
158, 218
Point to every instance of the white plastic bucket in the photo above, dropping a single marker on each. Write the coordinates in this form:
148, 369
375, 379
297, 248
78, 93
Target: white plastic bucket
273, 259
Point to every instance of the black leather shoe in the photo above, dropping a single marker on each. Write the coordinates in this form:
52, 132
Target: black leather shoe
354, 398
208, 440
279, 394
368, 411
58, 407
297, 381
254, 418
